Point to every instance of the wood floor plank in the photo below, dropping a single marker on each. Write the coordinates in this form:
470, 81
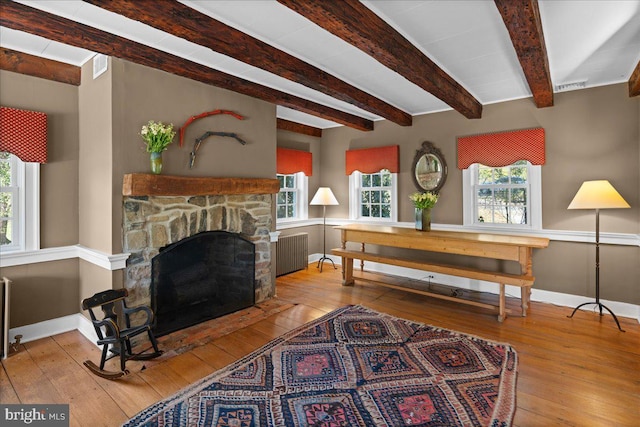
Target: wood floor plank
213, 355
165, 381
131, 392
7, 394
572, 372
28, 380
189, 367
74, 385
269, 328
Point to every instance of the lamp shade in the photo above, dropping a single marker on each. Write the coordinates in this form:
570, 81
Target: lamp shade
597, 195
324, 197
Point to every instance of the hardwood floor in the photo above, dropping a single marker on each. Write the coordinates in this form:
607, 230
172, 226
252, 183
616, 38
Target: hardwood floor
572, 372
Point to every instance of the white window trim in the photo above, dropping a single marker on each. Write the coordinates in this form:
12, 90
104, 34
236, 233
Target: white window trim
302, 199
27, 208
535, 201
354, 200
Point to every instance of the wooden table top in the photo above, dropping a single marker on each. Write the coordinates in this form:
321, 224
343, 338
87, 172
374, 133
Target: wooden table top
470, 237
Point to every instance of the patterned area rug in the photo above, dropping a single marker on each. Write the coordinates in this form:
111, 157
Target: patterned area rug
353, 367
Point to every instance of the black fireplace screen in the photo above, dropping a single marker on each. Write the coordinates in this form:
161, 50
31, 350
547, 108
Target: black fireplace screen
201, 277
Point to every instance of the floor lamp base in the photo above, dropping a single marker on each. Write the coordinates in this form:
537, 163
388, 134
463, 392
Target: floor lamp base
321, 262
600, 306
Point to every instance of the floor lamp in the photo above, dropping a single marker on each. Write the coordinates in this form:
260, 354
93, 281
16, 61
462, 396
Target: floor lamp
597, 195
324, 197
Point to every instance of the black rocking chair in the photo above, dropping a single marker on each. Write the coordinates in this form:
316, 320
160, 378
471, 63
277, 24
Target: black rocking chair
115, 330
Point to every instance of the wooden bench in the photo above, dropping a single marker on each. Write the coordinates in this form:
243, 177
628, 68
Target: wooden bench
524, 282
513, 248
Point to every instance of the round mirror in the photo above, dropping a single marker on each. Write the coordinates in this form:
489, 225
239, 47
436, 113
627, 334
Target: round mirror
429, 168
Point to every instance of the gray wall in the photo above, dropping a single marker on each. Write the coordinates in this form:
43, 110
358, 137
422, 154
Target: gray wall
93, 141
49, 290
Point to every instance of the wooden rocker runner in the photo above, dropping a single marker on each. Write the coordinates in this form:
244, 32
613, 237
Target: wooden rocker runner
114, 330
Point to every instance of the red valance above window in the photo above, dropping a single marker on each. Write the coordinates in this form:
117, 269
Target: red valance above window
372, 160
293, 161
24, 133
502, 148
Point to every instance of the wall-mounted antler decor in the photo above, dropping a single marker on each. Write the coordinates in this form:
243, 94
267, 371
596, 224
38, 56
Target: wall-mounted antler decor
200, 116
207, 135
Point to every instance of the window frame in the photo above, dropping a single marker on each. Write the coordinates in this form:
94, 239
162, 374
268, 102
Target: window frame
355, 207
302, 195
27, 206
469, 201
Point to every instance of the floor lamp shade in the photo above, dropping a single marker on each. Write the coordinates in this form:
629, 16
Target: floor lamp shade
324, 197
598, 195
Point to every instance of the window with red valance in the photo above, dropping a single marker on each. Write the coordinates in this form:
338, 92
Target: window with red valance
24, 134
502, 148
293, 161
372, 160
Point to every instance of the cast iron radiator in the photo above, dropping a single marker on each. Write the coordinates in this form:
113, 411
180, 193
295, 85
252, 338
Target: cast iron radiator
292, 253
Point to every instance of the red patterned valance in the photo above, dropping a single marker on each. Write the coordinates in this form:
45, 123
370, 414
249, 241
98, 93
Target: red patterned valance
502, 148
372, 160
24, 133
293, 161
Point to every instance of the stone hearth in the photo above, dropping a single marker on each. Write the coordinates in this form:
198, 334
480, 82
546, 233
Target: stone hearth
155, 216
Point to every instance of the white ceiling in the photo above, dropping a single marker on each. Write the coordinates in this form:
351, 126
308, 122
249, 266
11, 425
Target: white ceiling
593, 41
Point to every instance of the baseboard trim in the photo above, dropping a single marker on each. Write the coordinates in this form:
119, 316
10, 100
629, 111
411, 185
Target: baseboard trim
621, 309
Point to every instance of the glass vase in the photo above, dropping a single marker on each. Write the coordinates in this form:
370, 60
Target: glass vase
156, 163
423, 219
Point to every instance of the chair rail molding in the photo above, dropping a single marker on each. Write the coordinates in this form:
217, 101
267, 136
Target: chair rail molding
101, 259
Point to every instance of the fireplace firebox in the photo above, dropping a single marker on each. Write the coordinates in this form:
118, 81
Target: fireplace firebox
201, 277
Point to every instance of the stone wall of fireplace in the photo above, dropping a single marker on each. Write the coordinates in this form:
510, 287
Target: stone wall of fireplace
152, 222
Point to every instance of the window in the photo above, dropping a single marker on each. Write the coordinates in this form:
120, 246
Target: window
19, 204
292, 198
505, 197
373, 196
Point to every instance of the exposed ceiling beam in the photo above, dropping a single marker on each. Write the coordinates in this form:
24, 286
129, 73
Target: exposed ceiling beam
358, 25
283, 124
30, 20
634, 82
182, 21
36, 66
522, 18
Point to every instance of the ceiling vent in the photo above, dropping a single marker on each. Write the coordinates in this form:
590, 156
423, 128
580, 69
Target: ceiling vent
565, 87
100, 65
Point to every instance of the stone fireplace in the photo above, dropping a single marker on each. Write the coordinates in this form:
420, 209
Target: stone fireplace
161, 210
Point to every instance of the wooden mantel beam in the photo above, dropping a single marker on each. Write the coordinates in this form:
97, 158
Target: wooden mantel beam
358, 25
634, 82
36, 66
20, 17
182, 21
142, 184
522, 18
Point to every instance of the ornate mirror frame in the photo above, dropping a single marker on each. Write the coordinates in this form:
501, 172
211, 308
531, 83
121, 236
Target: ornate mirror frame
429, 168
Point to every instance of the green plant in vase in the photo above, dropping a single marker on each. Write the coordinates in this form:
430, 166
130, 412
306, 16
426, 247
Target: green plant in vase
423, 203
157, 136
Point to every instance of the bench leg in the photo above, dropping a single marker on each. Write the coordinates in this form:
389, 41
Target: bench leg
503, 312
525, 298
347, 272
